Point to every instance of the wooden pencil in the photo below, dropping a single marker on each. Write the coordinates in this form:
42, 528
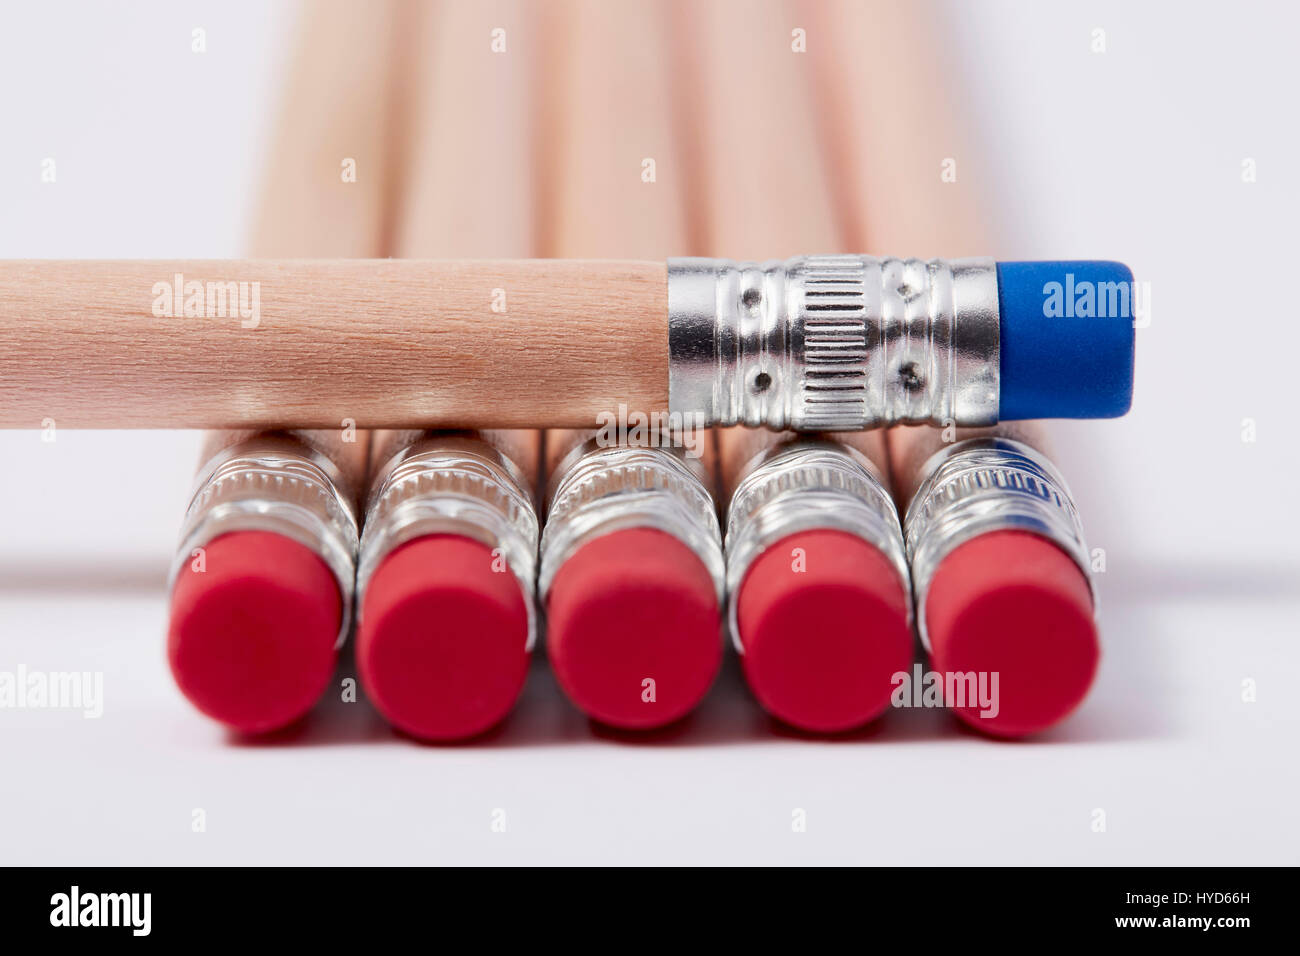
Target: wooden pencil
631, 561
444, 634
387, 343
740, 50
999, 566
269, 540
815, 567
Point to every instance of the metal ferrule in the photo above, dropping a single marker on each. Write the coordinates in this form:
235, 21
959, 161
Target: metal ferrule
803, 486
824, 343
598, 490
981, 485
453, 484
274, 483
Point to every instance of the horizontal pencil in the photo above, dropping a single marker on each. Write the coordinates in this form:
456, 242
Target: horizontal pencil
821, 342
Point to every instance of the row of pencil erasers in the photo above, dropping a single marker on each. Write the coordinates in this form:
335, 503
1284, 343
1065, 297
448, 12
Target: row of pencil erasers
430, 548
430, 542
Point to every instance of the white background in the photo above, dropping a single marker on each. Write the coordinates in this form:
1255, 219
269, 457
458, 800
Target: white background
1134, 155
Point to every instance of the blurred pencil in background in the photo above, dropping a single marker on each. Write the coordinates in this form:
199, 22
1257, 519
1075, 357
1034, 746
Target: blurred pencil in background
447, 616
819, 592
996, 548
631, 564
263, 579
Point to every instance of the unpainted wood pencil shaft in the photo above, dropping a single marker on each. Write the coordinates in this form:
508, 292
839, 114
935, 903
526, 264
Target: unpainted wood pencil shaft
887, 168
308, 343
740, 52
618, 175
476, 198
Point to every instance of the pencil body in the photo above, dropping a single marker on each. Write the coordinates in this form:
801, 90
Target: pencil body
446, 569
816, 574
995, 547
813, 343
270, 538
631, 571
386, 343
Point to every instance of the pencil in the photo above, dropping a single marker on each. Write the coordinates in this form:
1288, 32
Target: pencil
631, 560
1004, 604
811, 343
817, 578
446, 576
263, 591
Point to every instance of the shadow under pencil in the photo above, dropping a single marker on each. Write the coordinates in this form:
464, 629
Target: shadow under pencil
729, 716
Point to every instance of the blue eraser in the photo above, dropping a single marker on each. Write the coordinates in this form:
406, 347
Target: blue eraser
1066, 339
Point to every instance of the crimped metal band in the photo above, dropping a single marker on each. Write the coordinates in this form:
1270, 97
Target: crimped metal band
981, 485
274, 483
822, 343
597, 490
802, 486
453, 484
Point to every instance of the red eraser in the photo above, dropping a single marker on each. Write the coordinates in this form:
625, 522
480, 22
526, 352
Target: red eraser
252, 634
633, 629
1014, 604
442, 642
822, 618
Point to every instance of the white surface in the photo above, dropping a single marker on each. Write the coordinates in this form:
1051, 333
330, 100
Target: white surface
1135, 154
